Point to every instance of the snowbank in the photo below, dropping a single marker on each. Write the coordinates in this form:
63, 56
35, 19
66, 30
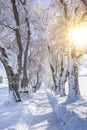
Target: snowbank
73, 115
14, 116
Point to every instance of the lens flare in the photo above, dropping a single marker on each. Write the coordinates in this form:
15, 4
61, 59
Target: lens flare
79, 35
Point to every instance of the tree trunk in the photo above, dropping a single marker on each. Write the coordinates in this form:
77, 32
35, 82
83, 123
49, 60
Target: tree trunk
62, 87
24, 82
13, 79
73, 84
18, 36
63, 77
58, 85
13, 86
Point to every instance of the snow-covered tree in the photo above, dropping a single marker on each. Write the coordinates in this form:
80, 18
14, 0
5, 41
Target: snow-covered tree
57, 47
74, 13
16, 23
66, 15
39, 53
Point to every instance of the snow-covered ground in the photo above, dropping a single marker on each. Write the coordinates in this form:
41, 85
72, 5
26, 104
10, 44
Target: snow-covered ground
73, 115
43, 111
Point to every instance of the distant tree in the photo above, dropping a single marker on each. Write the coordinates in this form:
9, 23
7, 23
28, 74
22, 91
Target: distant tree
39, 54
57, 46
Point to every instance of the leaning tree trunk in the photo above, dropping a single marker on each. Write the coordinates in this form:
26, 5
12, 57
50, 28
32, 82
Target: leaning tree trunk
13, 79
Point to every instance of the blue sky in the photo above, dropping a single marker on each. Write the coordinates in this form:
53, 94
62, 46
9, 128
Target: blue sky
46, 2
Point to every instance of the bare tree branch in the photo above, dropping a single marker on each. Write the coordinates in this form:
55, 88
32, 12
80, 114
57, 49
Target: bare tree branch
3, 24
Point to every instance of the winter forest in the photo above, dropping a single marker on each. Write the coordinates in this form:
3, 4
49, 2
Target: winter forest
43, 46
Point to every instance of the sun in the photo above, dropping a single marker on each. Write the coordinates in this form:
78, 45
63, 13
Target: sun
79, 35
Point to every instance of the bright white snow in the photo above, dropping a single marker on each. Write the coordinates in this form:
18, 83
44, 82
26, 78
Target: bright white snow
43, 111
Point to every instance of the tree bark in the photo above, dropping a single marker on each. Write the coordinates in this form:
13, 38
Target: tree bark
24, 82
13, 79
18, 36
73, 84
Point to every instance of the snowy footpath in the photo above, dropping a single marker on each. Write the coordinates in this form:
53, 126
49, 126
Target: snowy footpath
42, 111
34, 113
43, 116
